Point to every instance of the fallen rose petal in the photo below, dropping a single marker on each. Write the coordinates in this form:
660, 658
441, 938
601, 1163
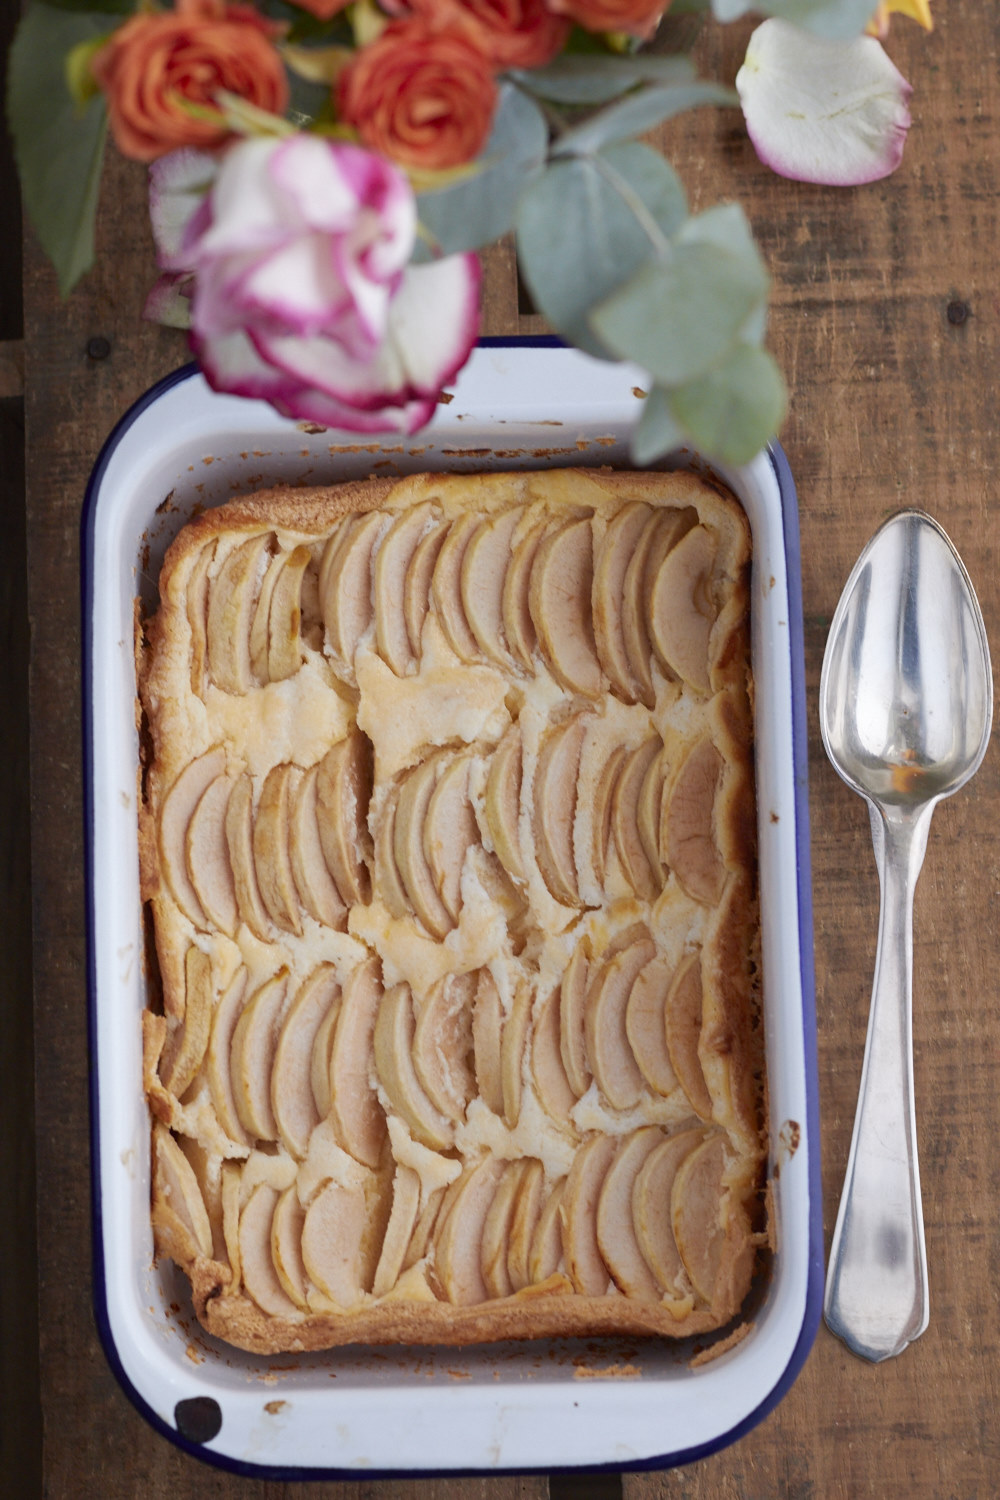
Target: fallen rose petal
178, 184
169, 301
822, 111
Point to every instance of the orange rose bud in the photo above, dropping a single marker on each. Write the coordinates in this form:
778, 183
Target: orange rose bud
423, 96
155, 67
637, 17
512, 33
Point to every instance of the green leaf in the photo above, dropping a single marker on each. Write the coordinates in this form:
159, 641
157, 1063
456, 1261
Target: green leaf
639, 112
657, 432
59, 148
586, 225
591, 80
735, 409
836, 19
678, 316
482, 207
106, 8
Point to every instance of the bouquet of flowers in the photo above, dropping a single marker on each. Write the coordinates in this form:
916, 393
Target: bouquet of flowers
322, 173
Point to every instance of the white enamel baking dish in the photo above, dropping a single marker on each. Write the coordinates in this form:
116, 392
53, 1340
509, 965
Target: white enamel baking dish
512, 1407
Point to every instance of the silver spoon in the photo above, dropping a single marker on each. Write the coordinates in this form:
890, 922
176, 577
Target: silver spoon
906, 704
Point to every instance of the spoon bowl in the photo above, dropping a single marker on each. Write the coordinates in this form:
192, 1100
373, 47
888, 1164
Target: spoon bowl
906, 708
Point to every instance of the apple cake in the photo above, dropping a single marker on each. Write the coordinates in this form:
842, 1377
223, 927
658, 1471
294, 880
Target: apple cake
447, 836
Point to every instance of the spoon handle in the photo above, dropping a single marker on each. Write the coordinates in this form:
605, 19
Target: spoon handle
876, 1288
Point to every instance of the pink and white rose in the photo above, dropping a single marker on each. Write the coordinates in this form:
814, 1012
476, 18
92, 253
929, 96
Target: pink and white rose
302, 291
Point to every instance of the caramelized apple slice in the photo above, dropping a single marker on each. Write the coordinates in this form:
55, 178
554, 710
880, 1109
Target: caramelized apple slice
615, 552
646, 1027
443, 1045
286, 1247
207, 856
681, 608
218, 1068
547, 1240
651, 1212
346, 591
408, 847
284, 624
602, 811
292, 1101
319, 1058
611, 1060
316, 887
343, 792
262, 610
388, 881
515, 607
357, 1116
271, 849
196, 608
560, 601
502, 802
555, 794
231, 602
417, 584
399, 1230
524, 1218
551, 1084
572, 1001
578, 1211
392, 565
616, 1235
175, 818
183, 1054
696, 1213
176, 1187
484, 568
446, 588
458, 1242
625, 820
333, 1237
688, 827
252, 1057
394, 1030
239, 841
496, 1232
487, 1030
683, 1032
450, 831
259, 1275
512, 1044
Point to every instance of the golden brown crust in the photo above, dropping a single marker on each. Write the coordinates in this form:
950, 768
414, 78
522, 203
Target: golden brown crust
264, 685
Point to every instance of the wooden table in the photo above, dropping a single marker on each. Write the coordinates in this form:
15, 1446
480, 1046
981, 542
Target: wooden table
886, 319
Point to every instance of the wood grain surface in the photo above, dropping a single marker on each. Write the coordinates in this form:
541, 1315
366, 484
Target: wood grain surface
886, 319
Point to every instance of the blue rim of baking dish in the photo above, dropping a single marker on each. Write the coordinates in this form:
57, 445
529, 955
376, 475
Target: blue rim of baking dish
815, 1269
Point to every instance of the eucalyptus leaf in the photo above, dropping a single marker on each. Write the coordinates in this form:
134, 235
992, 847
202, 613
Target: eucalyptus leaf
482, 207
837, 20
678, 316
587, 79
736, 408
657, 431
586, 225
639, 112
59, 147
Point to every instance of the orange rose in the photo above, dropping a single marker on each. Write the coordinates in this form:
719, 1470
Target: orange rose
637, 17
156, 66
512, 33
420, 94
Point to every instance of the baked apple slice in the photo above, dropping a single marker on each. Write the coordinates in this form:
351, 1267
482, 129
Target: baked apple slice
218, 1065
649, 815
496, 1231
232, 600
388, 882
408, 846
651, 1211
417, 584
578, 1211
262, 612
196, 608
552, 1087
562, 576
616, 1235
316, 887
392, 565
358, 1120
175, 819
572, 1006
546, 1253
610, 1056
555, 794
515, 606
450, 831
251, 1054
394, 1031
239, 842
446, 588
343, 792
601, 813
259, 1275
487, 1031
399, 1230
645, 879
688, 828
502, 802
683, 1032
284, 624
176, 1190
443, 1049
528, 1201
513, 1041
458, 1239
271, 849
697, 1207
293, 1103
187, 1044
681, 608
614, 554
333, 1237
346, 587
646, 1025
207, 856
484, 568
319, 1057
286, 1247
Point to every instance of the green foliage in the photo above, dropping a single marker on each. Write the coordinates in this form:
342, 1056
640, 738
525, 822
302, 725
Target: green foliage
59, 147
591, 80
735, 408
